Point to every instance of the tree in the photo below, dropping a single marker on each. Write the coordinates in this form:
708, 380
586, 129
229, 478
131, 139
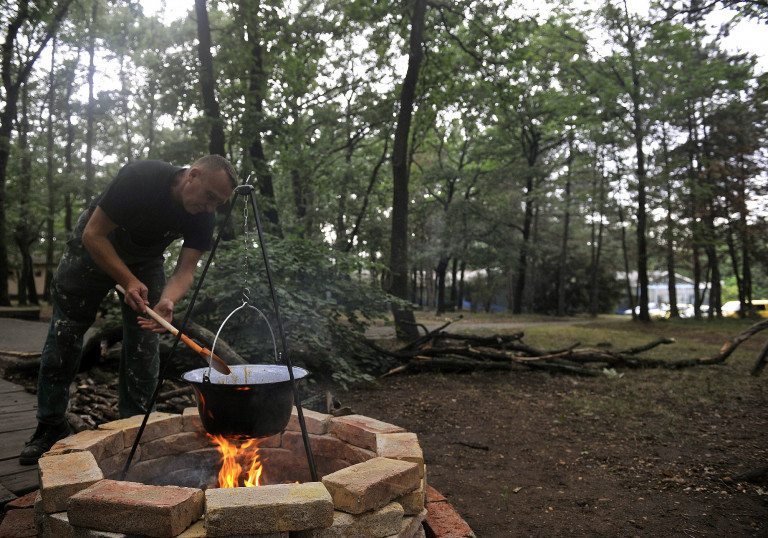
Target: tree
216, 145
37, 31
398, 256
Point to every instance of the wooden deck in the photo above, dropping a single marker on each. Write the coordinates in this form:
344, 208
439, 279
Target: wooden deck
17, 424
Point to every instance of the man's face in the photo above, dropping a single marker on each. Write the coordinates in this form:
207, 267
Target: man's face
205, 190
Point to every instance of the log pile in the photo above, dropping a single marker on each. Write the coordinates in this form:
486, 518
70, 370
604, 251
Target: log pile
92, 403
451, 352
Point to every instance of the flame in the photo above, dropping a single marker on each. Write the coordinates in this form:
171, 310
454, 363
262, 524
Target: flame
231, 469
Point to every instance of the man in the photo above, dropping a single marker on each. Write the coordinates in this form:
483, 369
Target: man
121, 238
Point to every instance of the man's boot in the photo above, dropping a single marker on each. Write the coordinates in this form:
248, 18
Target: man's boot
44, 438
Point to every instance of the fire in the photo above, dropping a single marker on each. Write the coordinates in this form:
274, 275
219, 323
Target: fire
231, 457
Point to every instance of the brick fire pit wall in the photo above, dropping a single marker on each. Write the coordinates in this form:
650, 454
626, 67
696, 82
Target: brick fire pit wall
373, 482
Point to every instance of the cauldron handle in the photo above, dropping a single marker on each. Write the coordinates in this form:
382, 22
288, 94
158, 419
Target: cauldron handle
213, 347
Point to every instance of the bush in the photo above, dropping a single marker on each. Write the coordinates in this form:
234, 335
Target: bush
325, 304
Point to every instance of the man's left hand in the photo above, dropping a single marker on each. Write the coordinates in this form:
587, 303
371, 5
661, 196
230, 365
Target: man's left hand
164, 308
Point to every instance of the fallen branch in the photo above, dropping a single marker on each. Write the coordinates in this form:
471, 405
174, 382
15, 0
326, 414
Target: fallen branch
438, 350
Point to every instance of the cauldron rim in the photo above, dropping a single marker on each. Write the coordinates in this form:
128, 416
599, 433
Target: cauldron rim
263, 374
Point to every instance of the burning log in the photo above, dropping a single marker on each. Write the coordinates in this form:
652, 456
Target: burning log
440, 350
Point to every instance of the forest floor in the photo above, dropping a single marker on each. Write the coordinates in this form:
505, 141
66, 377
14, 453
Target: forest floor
632, 453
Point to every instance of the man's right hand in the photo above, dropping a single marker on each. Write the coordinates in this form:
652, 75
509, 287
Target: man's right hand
137, 296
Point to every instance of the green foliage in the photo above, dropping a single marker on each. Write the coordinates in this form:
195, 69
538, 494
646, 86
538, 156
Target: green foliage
325, 299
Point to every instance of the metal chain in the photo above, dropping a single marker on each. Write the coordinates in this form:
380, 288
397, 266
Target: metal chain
246, 289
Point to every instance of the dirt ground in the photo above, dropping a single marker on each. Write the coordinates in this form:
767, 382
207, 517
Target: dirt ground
649, 453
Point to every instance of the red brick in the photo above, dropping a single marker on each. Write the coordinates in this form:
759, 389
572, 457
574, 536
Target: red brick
433, 496
27, 501
18, 523
444, 522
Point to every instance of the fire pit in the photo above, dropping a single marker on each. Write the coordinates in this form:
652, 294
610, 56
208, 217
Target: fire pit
373, 481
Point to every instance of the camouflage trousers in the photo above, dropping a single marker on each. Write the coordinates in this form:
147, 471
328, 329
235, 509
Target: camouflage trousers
77, 290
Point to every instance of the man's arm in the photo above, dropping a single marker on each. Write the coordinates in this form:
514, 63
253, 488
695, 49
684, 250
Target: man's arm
96, 241
176, 287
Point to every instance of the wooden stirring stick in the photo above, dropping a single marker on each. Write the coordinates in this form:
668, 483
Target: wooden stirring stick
218, 364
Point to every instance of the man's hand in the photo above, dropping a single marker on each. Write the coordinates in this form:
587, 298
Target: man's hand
136, 296
164, 308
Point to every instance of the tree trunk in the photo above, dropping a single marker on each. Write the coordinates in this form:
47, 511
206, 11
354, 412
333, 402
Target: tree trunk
561, 262
625, 256
638, 133
597, 247
90, 172
398, 258
69, 148
217, 143
442, 267
49, 183
454, 288
670, 231
460, 300
25, 233
530, 141
254, 115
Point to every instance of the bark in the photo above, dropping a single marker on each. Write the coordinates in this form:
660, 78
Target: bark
25, 233
597, 246
460, 300
625, 257
69, 148
257, 84
530, 143
454, 287
440, 271
50, 186
670, 231
90, 172
217, 142
561, 263
638, 121
398, 259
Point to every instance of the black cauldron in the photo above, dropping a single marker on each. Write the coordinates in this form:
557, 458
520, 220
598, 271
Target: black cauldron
254, 401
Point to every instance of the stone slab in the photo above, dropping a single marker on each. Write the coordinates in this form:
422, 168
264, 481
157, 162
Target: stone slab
413, 526
267, 509
360, 430
316, 423
191, 420
400, 446
386, 521
100, 443
64, 475
158, 425
177, 443
414, 501
129, 507
372, 484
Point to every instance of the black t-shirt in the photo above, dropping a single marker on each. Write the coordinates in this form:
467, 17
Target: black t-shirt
139, 201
